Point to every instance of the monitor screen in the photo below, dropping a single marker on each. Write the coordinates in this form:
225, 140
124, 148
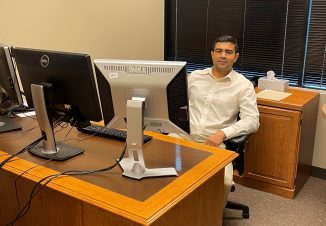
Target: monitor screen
10, 96
61, 87
162, 83
8, 80
146, 95
71, 75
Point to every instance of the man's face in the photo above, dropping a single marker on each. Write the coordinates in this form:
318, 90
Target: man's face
224, 56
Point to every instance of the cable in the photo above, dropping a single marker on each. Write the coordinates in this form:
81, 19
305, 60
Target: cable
21, 151
38, 186
55, 123
48, 160
18, 133
16, 109
53, 157
20, 176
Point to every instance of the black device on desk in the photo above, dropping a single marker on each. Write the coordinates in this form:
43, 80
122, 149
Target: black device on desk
10, 96
111, 133
61, 87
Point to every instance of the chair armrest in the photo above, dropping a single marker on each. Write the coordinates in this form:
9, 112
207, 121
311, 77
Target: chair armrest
239, 139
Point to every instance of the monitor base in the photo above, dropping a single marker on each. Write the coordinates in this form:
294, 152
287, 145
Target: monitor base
134, 170
8, 124
63, 153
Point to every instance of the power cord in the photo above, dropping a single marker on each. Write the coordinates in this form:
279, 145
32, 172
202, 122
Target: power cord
21, 151
39, 186
56, 123
20, 176
48, 160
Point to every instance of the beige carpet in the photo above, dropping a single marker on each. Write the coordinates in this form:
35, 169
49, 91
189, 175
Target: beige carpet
307, 209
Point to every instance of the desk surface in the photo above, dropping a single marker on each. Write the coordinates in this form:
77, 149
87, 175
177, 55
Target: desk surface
140, 201
293, 102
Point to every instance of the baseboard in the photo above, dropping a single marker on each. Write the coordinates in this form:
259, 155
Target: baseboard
318, 172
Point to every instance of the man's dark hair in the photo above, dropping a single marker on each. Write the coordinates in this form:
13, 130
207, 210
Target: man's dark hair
226, 38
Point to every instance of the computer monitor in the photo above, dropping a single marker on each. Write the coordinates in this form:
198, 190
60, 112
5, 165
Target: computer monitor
10, 96
60, 86
146, 94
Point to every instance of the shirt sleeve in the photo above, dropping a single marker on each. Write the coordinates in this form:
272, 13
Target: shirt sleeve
249, 114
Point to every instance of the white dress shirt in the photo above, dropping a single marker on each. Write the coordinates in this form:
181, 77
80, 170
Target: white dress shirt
215, 103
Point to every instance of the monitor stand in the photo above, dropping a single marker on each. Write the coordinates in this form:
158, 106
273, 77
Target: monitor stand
49, 149
134, 165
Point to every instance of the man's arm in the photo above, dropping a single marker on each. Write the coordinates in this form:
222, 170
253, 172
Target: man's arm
249, 115
249, 119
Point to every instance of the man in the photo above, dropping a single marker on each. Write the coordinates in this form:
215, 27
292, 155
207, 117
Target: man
217, 96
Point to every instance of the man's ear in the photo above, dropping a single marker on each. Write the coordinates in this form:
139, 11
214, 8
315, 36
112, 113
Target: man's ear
236, 57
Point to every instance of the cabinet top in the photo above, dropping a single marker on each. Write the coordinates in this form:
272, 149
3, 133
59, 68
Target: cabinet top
296, 101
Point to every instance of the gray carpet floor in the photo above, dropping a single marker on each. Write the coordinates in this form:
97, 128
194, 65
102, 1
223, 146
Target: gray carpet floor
308, 208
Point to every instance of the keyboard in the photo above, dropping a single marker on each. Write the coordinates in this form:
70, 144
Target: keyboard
111, 133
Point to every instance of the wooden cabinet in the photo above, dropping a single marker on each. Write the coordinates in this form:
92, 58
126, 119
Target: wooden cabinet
278, 156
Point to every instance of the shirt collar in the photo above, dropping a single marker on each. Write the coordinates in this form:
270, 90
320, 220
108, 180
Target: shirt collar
231, 76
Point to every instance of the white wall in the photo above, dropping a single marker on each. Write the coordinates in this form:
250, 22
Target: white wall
319, 158
125, 29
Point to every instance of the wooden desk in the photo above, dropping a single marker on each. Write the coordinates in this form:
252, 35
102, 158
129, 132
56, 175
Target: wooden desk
278, 156
195, 197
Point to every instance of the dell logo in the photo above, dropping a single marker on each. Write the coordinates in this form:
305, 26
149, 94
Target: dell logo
45, 61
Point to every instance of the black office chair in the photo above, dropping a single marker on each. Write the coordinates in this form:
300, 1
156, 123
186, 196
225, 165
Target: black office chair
237, 144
